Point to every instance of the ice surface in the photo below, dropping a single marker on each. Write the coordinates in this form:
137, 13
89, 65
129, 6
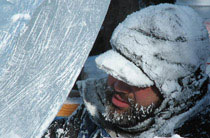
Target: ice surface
19, 16
43, 46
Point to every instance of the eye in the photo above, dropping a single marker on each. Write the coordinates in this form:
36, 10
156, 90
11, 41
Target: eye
111, 80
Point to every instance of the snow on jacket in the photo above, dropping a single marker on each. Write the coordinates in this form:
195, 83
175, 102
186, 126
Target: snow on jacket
193, 122
78, 125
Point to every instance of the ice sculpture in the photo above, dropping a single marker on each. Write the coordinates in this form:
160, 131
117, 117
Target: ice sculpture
43, 46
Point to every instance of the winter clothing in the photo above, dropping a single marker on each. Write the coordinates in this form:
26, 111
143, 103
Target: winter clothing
163, 41
82, 124
165, 46
79, 125
170, 115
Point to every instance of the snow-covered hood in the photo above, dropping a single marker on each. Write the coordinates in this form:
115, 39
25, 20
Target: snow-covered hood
157, 45
166, 46
172, 112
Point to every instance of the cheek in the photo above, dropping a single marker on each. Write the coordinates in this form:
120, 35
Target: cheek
146, 97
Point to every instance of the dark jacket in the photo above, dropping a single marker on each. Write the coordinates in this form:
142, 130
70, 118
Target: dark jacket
195, 122
80, 124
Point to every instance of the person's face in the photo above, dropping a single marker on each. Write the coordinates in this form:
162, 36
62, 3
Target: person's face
142, 96
129, 105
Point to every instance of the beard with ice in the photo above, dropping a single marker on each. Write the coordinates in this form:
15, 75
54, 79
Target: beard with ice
125, 117
190, 89
97, 98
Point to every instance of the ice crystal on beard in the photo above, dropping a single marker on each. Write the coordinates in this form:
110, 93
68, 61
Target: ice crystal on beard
130, 100
136, 113
116, 114
130, 117
143, 111
150, 108
118, 118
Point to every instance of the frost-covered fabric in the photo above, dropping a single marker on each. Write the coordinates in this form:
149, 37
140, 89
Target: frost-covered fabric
123, 69
166, 42
87, 120
170, 115
170, 45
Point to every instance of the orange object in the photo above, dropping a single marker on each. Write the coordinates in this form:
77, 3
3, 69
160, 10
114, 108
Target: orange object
67, 110
70, 105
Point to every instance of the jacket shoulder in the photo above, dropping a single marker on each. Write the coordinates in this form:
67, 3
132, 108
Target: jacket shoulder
197, 126
67, 127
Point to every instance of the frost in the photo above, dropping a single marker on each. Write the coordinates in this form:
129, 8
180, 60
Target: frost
60, 131
12, 134
174, 136
91, 108
164, 46
117, 66
40, 58
20, 16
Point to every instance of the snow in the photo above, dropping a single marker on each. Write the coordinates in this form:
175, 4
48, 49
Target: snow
91, 108
165, 123
60, 131
162, 42
167, 46
40, 58
117, 66
174, 136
